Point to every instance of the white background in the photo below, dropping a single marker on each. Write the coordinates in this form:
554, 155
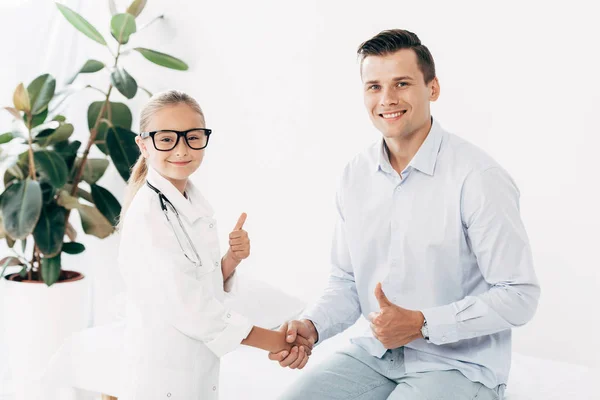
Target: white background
279, 84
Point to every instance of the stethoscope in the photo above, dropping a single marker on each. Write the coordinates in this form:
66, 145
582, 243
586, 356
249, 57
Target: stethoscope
165, 204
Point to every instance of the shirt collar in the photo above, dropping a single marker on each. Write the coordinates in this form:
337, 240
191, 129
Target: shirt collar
425, 158
192, 209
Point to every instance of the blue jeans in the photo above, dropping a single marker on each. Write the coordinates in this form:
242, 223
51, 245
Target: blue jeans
355, 374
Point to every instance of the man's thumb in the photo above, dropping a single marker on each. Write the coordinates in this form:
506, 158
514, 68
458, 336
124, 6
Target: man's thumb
381, 298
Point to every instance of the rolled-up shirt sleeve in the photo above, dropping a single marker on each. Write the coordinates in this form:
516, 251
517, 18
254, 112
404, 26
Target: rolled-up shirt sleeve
497, 237
338, 308
161, 278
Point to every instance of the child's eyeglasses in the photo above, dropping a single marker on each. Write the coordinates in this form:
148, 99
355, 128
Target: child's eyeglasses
167, 139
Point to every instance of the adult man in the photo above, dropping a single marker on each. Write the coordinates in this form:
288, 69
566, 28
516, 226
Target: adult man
429, 246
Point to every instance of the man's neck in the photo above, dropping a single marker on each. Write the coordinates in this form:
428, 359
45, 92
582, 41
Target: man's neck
401, 151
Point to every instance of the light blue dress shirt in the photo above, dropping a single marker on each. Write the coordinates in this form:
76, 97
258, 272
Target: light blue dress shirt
444, 237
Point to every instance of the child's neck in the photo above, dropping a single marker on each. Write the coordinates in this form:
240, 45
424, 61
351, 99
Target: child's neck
180, 185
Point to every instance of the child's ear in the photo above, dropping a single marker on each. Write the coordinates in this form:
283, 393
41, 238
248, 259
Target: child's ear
142, 146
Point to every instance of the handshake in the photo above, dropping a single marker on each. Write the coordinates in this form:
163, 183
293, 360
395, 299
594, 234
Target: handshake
300, 337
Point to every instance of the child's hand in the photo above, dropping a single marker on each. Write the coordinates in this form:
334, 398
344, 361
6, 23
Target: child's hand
300, 348
239, 243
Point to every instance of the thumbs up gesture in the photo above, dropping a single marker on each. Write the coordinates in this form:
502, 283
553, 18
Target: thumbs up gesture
393, 325
239, 243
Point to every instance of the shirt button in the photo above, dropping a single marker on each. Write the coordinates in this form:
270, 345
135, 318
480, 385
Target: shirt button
444, 338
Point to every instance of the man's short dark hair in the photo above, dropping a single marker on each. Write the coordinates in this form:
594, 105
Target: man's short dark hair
392, 40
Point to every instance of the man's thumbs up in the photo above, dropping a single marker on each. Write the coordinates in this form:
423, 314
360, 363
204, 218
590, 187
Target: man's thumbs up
381, 298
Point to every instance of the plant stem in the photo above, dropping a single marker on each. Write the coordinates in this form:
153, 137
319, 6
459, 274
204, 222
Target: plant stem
92, 138
95, 88
150, 23
30, 149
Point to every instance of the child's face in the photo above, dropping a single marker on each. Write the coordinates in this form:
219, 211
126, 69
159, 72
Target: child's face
177, 164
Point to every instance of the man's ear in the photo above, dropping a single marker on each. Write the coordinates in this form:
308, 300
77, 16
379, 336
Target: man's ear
434, 89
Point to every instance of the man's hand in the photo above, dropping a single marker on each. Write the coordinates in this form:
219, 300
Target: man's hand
297, 331
393, 325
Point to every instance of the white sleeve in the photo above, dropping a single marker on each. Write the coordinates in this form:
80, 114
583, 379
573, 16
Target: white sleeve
159, 276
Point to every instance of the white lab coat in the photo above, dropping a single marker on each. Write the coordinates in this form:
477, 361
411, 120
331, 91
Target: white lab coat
177, 325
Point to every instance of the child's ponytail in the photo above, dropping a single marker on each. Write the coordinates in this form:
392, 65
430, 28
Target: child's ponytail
140, 169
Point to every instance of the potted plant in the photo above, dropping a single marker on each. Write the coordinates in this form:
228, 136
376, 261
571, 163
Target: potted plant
50, 176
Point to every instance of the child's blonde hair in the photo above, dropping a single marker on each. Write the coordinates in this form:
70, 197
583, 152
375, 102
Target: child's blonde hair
140, 168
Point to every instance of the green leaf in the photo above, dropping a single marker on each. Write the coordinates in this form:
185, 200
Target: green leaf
93, 169
93, 222
81, 24
2, 230
48, 136
41, 91
6, 137
21, 207
122, 149
8, 262
68, 151
72, 248
118, 113
122, 26
123, 82
51, 165
37, 119
59, 118
107, 204
162, 59
80, 193
136, 7
13, 172
89, 67
21, 99
47, 191
67, 201
23, 159
10, 242
51, 269
50, 230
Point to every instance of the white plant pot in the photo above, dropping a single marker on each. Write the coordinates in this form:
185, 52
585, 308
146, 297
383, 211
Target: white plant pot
36, 320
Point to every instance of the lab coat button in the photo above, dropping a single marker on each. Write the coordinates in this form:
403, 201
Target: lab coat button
228, 315
168, 394
211, 225
216, 263
214, 388
444, 338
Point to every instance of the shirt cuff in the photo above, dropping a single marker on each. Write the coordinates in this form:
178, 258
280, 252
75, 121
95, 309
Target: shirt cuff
237, 329
441, 323
318, 321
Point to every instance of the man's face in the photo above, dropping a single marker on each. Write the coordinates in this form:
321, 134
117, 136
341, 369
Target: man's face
396, 95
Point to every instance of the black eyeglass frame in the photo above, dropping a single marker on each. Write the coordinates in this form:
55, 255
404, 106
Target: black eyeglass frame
207, 132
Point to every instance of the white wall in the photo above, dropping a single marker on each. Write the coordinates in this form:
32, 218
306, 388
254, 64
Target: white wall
279, 84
